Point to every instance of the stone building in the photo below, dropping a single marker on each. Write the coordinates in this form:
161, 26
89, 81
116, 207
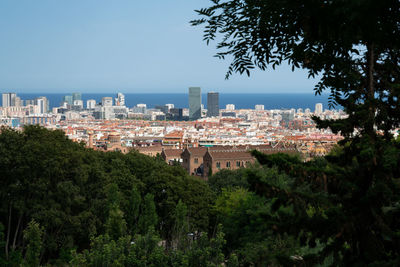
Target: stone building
215, 160
235, 157
192, 159
171, 155
112, 142
151, 150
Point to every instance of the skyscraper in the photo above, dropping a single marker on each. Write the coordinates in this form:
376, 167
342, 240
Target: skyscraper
29, 102
120, 99
9, 99
213, 104
90, 104
318, 108
194, 103
76, 96
19, 102
68, 99
43, 104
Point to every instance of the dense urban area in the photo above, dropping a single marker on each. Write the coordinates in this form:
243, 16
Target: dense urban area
178, 134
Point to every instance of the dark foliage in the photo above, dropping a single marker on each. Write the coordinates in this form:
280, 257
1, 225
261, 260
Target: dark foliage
75, 193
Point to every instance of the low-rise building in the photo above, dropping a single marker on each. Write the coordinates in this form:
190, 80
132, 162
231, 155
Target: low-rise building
215, 160
151, 151
192, 159
172, 156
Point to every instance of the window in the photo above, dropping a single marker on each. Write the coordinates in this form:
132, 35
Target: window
218, 165
228, 164
237, 163
196, 160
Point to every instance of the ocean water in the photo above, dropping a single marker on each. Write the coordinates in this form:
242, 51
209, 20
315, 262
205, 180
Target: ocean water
181, 100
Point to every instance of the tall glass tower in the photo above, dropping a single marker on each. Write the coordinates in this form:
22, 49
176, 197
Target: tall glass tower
76, 96
213, 104
194, 103
68, 99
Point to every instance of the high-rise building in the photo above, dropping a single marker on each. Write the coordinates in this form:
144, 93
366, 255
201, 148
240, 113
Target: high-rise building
90, 104
107, 101
9, 99
120, 99
68, 99
78, 103
140, 108
19, 102
76, 96
43, 103
259, 107
230, 107
213, 104
5, 100
29, 102
194, 103
162, 108
318, 108
176, 114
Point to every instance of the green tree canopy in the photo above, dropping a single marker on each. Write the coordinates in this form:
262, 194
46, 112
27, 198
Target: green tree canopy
353, 45
33, 235
76, 194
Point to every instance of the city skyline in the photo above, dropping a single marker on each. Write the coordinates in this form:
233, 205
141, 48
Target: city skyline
59, 46
242, 101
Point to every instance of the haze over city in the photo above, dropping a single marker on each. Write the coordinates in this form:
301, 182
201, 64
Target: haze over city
130, 46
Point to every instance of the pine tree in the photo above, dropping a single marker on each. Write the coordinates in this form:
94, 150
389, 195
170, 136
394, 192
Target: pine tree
116, 224
33, 237
148, 216
132, 214
181, 227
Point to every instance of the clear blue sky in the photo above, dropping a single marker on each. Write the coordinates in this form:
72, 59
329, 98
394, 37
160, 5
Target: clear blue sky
119, 45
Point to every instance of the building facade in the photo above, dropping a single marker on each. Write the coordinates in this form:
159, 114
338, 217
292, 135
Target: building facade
9, 99
232, 159
172, 156
318, 108
212, 104
259, 107
107, 101
192, 159
68, 99
90, 104
120, 99
43, 104
194, 103
230, 107
76, 96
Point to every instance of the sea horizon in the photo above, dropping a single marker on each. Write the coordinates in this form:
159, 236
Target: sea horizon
180, 100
